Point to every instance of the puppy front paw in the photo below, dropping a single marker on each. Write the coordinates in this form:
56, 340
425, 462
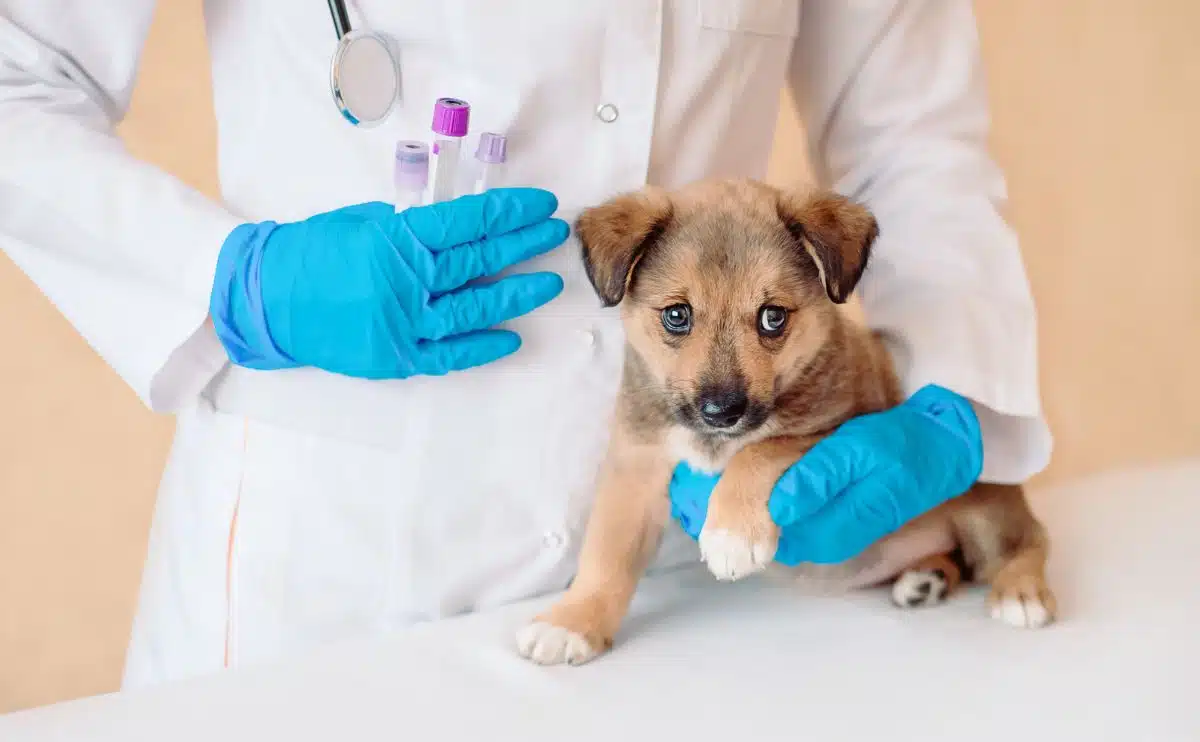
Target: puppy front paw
570, 633
739, 537
547, 644
731, 555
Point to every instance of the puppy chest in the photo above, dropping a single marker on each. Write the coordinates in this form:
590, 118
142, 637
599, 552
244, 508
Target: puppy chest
703, 455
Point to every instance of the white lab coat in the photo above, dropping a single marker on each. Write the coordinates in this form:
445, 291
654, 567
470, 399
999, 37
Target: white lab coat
301, 507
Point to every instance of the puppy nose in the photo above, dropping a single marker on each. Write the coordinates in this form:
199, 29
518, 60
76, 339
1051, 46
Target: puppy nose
723, 408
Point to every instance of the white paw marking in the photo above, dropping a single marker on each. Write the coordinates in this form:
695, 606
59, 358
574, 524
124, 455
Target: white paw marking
917, 588
547, 644
730, 556
1024, 612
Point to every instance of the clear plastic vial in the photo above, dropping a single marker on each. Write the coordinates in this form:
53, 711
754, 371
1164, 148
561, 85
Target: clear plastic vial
490, 156
451, 119
410, 173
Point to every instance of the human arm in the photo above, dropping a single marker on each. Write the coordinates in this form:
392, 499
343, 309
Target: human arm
168, 286
895, 107
124, 250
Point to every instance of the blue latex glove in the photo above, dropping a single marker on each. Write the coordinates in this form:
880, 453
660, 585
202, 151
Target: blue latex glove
869, 477
363, 291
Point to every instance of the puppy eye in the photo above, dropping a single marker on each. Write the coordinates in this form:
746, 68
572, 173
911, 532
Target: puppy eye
677, 319
771, 321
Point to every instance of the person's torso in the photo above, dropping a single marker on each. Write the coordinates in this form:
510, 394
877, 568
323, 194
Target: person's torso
694, 86
480, 460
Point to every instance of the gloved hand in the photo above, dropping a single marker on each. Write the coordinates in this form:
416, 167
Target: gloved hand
363, 291
869, 477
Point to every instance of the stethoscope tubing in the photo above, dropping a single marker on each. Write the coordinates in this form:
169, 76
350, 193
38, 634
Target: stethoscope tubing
341, 19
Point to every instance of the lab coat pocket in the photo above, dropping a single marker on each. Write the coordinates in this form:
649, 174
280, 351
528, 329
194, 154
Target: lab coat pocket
315, 541
763, 17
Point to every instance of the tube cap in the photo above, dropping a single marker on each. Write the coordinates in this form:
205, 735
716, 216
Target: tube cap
412, 165
493, 148
451, 117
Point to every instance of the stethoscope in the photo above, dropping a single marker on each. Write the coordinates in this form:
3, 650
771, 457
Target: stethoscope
364, 75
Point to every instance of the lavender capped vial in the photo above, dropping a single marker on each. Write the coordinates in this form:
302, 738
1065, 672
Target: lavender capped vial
410, 173
490, 154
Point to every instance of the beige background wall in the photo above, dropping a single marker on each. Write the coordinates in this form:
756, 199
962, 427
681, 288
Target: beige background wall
1096, 108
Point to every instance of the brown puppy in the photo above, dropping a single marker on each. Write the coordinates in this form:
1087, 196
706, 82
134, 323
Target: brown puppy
739, 359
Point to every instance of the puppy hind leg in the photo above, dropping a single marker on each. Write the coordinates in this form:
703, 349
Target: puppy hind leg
1007, 548
1020, 595
929, 581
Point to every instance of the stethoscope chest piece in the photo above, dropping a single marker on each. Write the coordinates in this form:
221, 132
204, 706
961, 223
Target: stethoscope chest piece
364, 76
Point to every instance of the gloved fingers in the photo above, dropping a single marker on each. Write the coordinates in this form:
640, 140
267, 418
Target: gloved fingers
481, 307
456, 266
690, 492
474, 217
688, 485
819, 478
844, 528
370, 211
691, 521
461, 352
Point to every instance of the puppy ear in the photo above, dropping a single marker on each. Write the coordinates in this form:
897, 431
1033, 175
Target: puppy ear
616, 234
837, 234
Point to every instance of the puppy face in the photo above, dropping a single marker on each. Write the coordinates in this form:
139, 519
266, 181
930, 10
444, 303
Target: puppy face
727, 291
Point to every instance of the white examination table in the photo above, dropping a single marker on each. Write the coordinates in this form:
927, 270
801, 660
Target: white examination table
754, 661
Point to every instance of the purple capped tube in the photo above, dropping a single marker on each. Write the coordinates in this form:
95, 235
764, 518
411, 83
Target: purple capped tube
451, 120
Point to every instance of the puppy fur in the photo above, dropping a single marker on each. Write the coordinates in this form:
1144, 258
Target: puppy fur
738, 359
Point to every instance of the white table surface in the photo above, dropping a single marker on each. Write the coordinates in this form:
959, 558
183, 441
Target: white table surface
757, 661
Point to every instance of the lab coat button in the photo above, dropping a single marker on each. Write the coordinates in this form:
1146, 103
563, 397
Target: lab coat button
607, 113
553, 540
588, 337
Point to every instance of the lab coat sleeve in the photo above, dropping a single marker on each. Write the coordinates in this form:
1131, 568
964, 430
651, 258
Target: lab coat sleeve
124, 250
893, 99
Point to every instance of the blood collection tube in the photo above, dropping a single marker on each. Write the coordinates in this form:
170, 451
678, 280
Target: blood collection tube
410, 173
490, 154
451, 119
